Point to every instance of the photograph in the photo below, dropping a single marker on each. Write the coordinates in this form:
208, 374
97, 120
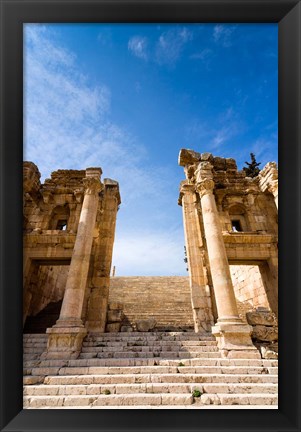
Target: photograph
150, 216
149, 256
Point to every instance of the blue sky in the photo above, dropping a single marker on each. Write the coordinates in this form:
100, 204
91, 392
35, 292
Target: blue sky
128, 97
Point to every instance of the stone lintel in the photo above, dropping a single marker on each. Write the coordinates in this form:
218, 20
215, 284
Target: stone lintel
48, 238
251, 237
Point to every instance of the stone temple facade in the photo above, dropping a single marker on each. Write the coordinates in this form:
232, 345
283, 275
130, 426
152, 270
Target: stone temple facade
69, 228
209, 338
230, 220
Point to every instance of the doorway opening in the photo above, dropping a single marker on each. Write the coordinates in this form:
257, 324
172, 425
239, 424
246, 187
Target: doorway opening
253, 286
47, 284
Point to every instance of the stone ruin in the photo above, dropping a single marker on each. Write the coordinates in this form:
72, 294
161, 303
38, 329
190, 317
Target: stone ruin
69, 228
231, 228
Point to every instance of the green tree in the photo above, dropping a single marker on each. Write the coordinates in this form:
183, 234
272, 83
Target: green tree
252, 169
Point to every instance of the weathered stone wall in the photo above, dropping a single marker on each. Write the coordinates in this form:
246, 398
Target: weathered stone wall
248, 287
167, 299
50, 282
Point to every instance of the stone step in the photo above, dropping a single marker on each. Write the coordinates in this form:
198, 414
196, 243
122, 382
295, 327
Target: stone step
135, 378
121, 388
159, 354
35, 336
103, 400
193, 406
160, 362
240, 370
144, 348
152, 343
149, 399
238, 399
28, 357
33, 350
150, 336
34, 345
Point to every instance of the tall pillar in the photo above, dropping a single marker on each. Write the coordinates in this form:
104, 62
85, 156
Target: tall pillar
199, 289
100, 283
233, 336
66, 336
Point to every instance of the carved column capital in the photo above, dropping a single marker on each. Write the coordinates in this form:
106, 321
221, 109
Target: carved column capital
187, 188
205, 186
92, 185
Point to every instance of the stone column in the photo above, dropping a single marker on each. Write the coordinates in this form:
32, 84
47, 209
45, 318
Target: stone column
200, 292
233, 336
100, 283
66, 336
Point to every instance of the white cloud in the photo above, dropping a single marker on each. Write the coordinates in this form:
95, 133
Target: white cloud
138, 46
264, 149
226, 126
168, 48
105, 37
171, 44
222, 34
68, 125
221, 137
155, 250
203, 55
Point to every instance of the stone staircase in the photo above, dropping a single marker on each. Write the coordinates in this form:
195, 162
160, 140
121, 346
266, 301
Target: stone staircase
167, 299
146, 370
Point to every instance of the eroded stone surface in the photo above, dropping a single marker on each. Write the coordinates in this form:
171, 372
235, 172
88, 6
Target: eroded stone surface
146, 325
264, 318
264, 333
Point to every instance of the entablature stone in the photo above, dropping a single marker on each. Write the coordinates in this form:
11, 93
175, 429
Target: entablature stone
249, 238
48, 237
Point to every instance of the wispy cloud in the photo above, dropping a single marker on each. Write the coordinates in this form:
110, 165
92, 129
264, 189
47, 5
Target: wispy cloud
264, 149
166, 50
222, 34
205, 56
202, 55
68, 125
221, 137
105, 37
227, 126
138, 46
61, 109
171, 44
154, 247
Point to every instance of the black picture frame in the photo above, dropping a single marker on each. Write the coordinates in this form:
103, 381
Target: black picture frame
287, 13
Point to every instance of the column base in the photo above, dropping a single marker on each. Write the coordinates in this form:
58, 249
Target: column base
234, 340
64, 342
